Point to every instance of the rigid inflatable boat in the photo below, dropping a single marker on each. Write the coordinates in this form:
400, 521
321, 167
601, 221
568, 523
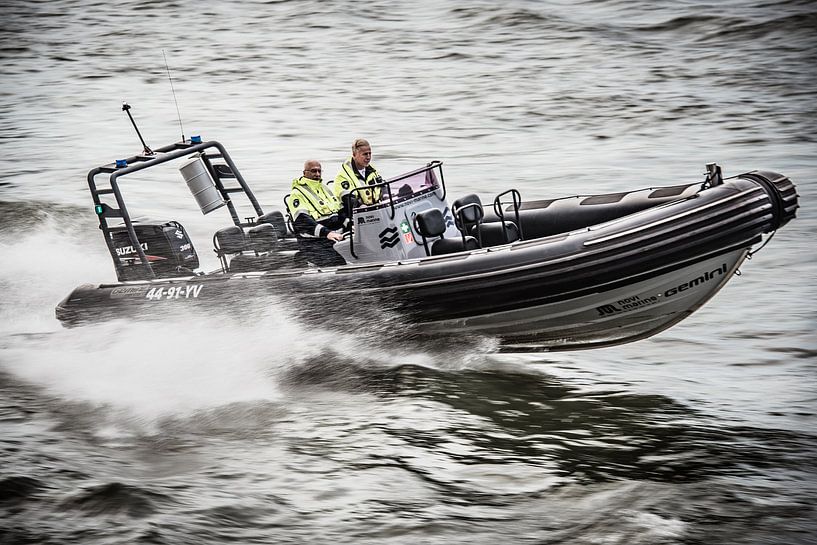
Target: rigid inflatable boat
569, 273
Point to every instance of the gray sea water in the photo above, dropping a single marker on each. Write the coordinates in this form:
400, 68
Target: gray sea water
250, 427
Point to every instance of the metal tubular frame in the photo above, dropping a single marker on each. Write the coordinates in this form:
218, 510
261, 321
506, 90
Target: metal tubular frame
516, 200
141, 162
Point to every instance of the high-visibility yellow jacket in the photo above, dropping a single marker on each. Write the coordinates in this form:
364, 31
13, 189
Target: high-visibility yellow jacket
313, 208
348, 179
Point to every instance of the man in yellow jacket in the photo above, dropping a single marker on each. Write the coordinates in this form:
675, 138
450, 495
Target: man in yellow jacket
317, 217
357, 172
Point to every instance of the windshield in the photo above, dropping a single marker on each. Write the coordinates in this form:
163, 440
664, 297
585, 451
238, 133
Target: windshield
405, 186
415, 181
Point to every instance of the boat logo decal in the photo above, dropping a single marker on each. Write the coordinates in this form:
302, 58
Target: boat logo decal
389, 237
706, 277
127, 250
179, 234
626, 304
128, 291
174, 292
371, 218
636, 301
607, 310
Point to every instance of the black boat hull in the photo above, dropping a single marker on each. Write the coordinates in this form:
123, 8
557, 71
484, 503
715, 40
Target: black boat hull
623, 279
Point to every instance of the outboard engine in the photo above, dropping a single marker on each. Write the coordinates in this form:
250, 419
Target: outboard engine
168, 249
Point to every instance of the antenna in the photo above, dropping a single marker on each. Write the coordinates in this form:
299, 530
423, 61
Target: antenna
126, 109
174, 94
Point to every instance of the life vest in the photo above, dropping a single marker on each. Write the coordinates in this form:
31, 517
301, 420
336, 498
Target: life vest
313, 198
348, 179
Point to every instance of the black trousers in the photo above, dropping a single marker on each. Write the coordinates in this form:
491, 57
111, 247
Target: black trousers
320, 252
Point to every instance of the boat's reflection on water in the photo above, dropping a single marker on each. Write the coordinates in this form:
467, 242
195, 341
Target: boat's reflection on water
491, 433
506, 415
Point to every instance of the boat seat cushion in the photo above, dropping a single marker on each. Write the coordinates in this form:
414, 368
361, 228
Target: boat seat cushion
277, 220
430, 223
468, 210
230, 240
452, 245
263, 238
494, 234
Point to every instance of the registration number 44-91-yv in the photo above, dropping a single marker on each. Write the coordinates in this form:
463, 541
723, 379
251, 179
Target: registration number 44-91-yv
174, 292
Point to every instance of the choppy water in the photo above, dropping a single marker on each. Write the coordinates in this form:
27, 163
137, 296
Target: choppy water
253, 428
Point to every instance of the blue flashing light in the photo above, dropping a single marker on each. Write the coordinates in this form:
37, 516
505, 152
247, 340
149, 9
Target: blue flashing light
121, 163
196, 139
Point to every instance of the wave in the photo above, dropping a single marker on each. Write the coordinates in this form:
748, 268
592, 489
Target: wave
509, 19
18, 487
688, 22
116, 497
797, 29
32, 216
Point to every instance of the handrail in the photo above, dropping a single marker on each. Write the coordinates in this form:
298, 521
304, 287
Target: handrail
289, 221
517, 203
372, 187
458, 213
422, 234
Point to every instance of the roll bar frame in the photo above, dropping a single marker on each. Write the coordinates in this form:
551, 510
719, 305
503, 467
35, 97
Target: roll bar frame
141, 162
